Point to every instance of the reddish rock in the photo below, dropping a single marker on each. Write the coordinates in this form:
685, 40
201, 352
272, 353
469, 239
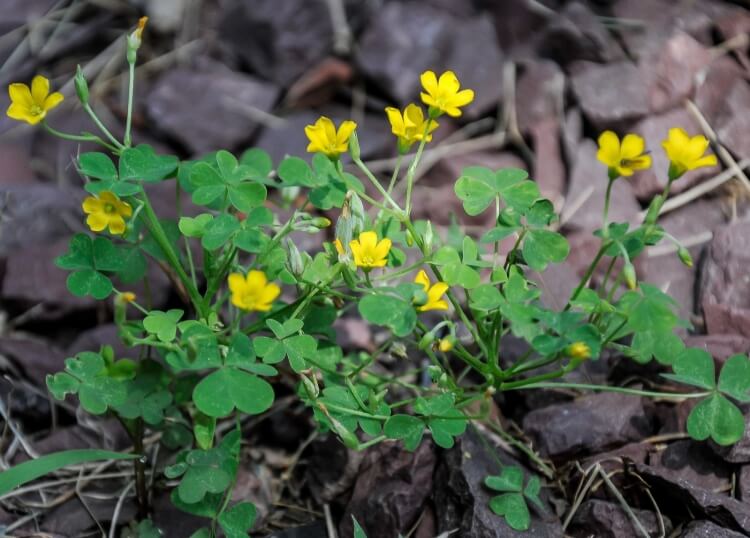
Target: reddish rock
720, 346
725, 288
549, 169
405, 39
540, 88
179, 106
610, 95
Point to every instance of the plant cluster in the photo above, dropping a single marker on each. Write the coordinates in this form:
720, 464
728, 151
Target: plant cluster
258, 310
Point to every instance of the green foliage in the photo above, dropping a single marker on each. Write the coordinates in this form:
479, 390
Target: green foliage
511, 504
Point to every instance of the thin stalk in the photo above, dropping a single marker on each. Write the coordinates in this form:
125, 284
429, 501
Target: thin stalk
78, 138
131, 87
102, 128
375, 182
413, 169
396, 170
140, 471
622, 390
589, 272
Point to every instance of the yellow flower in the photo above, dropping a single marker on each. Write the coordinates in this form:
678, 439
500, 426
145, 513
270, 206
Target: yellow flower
369, 252
434, 293
579, 350
127, 296
443, 96
32, 104
106, 210
410, 126
252, 292
445, 344
324, 138
686, 152
622, 159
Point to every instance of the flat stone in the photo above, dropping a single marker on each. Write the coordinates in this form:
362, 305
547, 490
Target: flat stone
725, 286
610, 95
549, 168
179, 106
604, 519
708, 529
405, 39
584, 201
587, 424
518, 25
738, 452
539, 93
36, 357
391, 489
277, 40
693, 462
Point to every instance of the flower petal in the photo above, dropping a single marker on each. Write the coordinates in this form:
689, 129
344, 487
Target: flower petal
368, 241
91, 205
423, 280
396, 121
39, 89
20, 94
97, 222
462, 98
53, 100
609, 149
429, 83
236, 283
256, 281
448, 83
116, 225
632, 146
19, 112
345, 131
383, 248
269, 293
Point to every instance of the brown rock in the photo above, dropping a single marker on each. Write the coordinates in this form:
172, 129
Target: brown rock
518, 24
584, 201
608, 520
391, 490
34, 356
720, 346
549, 169
693, 463
610, 95
587, 424
725, 290
405, 39
539, 93
179, 106
708, 529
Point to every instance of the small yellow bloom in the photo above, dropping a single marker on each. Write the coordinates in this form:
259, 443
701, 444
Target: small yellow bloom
622, 159
338, 246
686, 152
32, 104
445, 344
141, 25
410, 126
579, 350
443, 95
252, 292
324, 138
368, 252
127, 296
106, 210
434, 293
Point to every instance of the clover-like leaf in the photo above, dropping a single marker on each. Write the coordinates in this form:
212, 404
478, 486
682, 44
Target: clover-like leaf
97, 165
510, 479
388, 311
694, 367
512, 507
717, 418
405, 427
163, 324
143, 164
734, 378
219, 230
237, 520
218, 394
542, 247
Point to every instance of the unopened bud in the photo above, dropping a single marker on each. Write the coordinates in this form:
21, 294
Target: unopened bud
630, 278
426, 340
135, 39
354, 146
294, 260
578, 350
446, 344
685, 256
310, 387
429, 237
82, 87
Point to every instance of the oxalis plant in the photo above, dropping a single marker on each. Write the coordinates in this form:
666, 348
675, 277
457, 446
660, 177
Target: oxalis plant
258, 309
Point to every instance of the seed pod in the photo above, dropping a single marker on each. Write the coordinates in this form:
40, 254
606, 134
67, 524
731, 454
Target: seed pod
354, 146
82, 87
630, 277
685, 256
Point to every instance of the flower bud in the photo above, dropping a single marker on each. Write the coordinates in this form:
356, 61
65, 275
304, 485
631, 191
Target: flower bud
446, 344
429, 237
354, 146
82, 87
134, 40
294, 259
289, 194
685, 256
409, 239
578, 350
630, 278
310, 387
426, 340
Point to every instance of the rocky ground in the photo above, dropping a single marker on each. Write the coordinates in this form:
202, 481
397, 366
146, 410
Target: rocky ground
549, 75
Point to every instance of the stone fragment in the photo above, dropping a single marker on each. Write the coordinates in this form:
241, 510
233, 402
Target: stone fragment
708, 529
604, 519
587, 424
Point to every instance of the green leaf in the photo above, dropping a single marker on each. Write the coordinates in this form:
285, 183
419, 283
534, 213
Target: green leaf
80, 254
694, 367
31, 470
542, 247
358, 531
510, 479
390, 312
62, 384
218, 394
512, 507
298, 348
734, 379
97, 166
204, 428
541, 214
295, 171
142, 163
237, 520
247, 196
258, 163
163, 324
718, 418
89, 282
478, 187
406, 427
474, 189
132, 265
219, 231
271, 350
194, 227
290, 326
485, 297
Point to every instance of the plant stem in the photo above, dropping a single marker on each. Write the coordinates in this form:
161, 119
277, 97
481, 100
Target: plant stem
366, 171
131, 86
396, 170
622, 390
605, 228
154, 226
140, 471
413, 169
589, 272
79, 138
102, 128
